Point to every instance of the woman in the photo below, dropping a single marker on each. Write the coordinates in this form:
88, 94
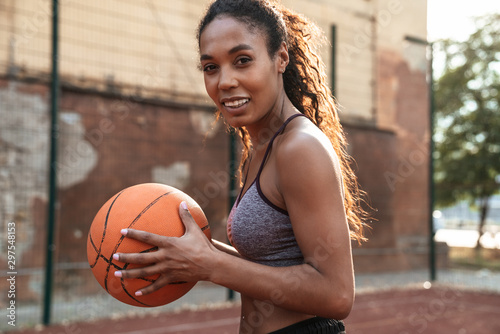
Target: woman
299, 205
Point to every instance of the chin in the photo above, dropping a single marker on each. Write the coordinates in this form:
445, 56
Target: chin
235, 124
234, 121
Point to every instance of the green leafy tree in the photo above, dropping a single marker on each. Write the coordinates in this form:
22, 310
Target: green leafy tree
467, 101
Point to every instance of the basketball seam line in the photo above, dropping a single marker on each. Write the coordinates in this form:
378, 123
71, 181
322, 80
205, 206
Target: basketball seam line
130, 225
104, 231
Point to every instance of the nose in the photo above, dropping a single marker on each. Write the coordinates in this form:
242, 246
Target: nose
227, 79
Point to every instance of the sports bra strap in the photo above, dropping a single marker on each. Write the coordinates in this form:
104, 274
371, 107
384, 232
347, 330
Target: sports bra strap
268, 150
282, 127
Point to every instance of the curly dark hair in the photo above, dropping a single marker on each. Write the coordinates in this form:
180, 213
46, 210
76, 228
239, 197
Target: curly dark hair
305, 82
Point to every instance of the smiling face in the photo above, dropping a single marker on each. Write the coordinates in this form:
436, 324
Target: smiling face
240, 77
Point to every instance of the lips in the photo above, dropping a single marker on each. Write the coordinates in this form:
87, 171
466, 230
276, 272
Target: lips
235, 103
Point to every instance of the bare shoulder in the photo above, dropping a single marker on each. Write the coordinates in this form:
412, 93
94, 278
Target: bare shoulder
305, 148
310, 182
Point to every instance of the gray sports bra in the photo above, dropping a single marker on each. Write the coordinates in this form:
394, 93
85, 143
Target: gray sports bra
259, 230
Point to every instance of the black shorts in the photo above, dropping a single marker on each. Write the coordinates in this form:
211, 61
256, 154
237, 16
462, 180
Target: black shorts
316, 325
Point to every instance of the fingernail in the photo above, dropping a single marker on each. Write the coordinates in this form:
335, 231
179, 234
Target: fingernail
116, 257
138, 293
118, 274
184, 205
124, 231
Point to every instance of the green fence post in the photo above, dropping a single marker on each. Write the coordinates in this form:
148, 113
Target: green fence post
432, 244
54, 88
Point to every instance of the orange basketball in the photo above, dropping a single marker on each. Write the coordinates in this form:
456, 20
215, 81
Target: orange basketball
150, 207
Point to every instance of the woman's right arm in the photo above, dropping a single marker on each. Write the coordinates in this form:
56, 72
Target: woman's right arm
225, 248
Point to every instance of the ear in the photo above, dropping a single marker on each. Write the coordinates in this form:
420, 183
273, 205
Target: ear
282, 58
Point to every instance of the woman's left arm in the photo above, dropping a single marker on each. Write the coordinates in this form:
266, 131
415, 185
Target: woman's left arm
310, 180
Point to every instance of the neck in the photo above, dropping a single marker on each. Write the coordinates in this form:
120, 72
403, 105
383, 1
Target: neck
262, 132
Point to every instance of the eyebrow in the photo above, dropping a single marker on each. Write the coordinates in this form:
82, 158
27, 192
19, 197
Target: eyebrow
235, 49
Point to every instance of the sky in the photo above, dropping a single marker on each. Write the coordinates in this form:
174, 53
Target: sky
451, 18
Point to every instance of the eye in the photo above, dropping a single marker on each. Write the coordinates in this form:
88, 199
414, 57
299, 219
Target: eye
243, 60
209, 68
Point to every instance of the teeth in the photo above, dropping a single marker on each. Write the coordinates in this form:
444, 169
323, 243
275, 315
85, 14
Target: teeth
236, 104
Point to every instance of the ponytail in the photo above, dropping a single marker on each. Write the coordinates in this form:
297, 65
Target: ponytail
305, 84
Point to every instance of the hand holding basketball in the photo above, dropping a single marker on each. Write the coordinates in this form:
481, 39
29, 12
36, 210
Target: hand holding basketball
184, 259
154, 208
